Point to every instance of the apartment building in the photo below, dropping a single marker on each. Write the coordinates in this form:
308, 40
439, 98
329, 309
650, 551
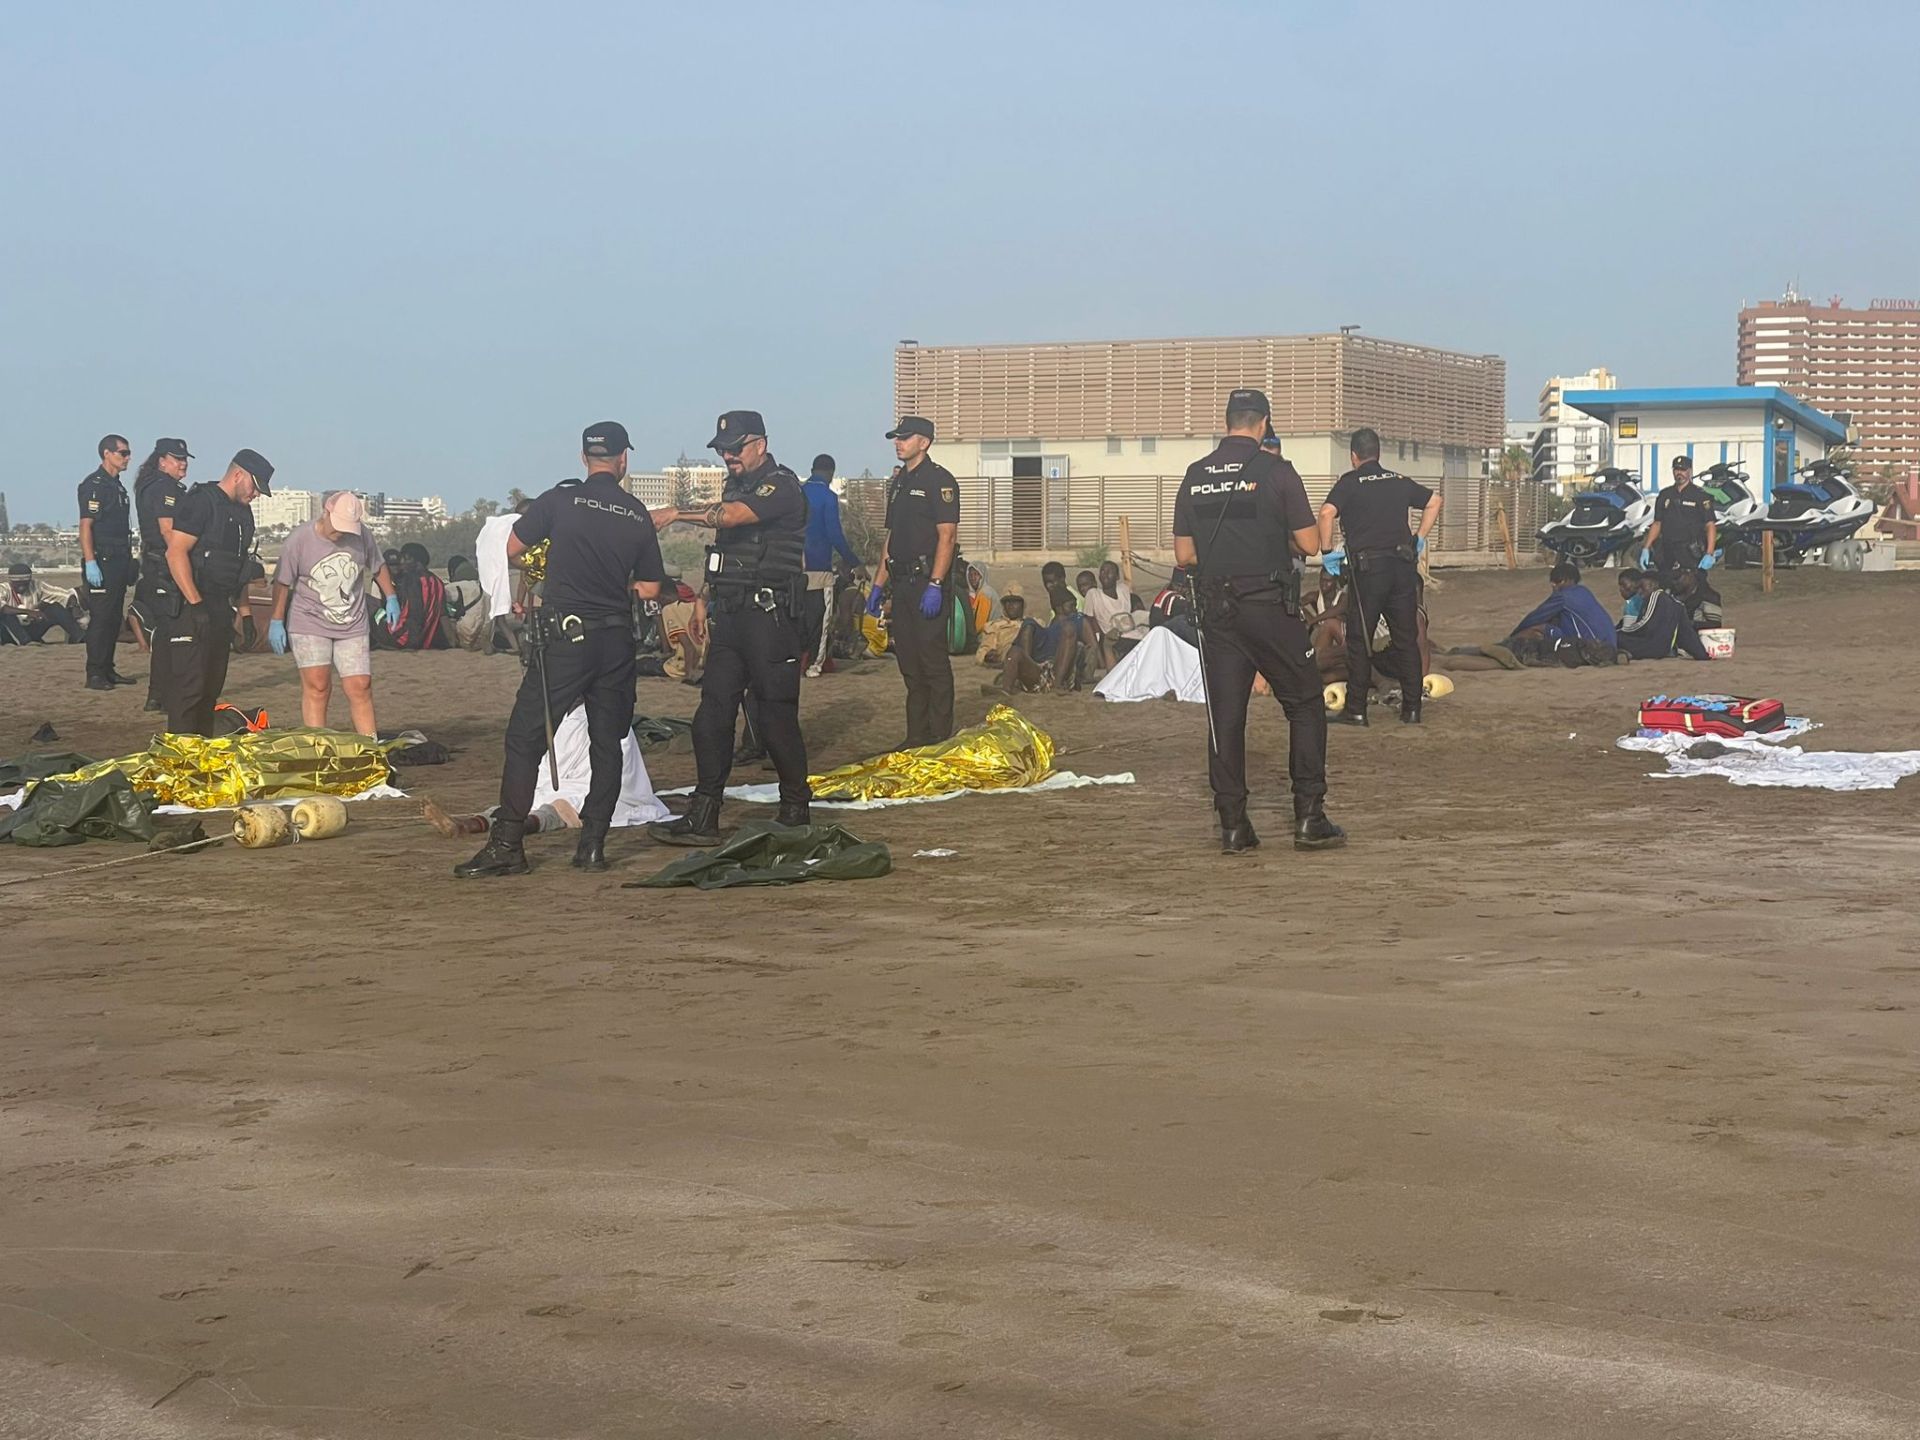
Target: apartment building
1862, 365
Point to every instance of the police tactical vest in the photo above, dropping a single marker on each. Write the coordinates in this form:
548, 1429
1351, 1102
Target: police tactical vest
147, 497
220, 556
759, 555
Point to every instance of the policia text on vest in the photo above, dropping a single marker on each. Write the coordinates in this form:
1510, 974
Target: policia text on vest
207, 553
1241, 525
751, 609
602, 551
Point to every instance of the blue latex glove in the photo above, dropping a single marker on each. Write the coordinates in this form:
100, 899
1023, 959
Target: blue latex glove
92, 571
876, 598
931, 599
277, 636
393, 612
1419, 545
1332, 560
1646, 559
1709, 560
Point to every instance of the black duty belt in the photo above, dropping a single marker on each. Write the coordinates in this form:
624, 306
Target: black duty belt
578, 627
757, 597
1397, 552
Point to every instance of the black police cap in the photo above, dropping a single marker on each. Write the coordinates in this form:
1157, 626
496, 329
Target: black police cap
736, 427
256, 465
911, 425
609, 437
1254, 400
177, 449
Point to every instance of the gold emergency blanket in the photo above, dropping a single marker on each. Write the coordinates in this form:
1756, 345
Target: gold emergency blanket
232, 769
1006, 752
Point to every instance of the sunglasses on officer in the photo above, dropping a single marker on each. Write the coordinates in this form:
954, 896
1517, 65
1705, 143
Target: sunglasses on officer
732, 452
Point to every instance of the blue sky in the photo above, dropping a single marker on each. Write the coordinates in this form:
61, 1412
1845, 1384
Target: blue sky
415, 247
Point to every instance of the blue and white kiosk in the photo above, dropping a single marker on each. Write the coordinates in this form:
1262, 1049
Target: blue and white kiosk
1761, 429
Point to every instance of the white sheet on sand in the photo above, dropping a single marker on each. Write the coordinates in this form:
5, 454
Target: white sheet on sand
1764, 760
1161, 664
490, 561
1059, 780
637, 804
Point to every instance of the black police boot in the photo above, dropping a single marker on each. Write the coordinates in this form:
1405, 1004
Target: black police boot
1236, 834
115, 677
99, 682
501, 855
1410, 712
1312, 830
591, 852
700, 826
794, 812
1347, 716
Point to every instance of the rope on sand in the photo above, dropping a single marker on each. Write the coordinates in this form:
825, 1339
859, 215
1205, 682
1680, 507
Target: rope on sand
104, 864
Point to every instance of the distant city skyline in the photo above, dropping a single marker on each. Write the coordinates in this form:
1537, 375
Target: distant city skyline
398, 251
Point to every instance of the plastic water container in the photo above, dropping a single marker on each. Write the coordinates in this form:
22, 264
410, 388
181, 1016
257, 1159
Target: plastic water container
1718, 643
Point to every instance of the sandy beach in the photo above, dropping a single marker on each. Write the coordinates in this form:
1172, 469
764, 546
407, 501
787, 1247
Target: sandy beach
1564, 1102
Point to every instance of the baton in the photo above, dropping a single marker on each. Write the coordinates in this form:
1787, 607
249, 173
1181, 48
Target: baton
546, 694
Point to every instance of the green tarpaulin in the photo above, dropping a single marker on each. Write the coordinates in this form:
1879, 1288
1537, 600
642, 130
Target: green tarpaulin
763, 852
67, 812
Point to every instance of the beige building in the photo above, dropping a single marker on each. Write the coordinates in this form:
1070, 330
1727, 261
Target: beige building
1053, 444
654, 488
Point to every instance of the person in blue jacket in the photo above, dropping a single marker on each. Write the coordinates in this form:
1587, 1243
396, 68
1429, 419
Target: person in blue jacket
825, 540
1570, 613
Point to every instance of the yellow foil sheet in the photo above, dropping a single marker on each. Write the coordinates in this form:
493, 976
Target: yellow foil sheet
533, 562
1006, 752
233, 769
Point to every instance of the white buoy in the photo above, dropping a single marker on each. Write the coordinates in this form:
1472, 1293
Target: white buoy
319, 816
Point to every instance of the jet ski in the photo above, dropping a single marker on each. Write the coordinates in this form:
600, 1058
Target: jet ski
1604, 520
1737, 510
1820, 508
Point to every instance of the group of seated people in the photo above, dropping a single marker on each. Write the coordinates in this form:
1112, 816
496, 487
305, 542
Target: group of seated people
1658, 620
31, 609
1076, 647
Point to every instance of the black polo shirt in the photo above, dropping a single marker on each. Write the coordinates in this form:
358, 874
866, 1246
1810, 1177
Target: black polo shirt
1683, 515
772, 492
918, 502
156, 498
1373, 502
603, 541
1240, 507
103, 500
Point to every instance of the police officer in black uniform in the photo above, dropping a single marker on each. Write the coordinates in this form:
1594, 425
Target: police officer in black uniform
1684, 529
923, 526
1382, 564
157, 492
603, 551
752, 608
207, 554
1241, 526
106, 550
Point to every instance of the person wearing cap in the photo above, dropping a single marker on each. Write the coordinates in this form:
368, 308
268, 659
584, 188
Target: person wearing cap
320, 608
602, 550
1242, 525
751, 615
158, 489
826, 539
1684, 531
923, 527
207, 553
30, 607
106, 550
1381, 564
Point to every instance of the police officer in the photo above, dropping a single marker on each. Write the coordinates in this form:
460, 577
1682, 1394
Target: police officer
1684, 531
158, 490
923, 526
603, 551
1241, 524
1383, 571
751, 609
207, 553
106, 551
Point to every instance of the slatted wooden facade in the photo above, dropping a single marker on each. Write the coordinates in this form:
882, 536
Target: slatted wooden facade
1318, 384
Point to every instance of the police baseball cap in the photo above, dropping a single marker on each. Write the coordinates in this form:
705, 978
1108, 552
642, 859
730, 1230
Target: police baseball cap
735, 428
1683, 462
609, 437
177, 449
911, 425
1253, 400
256, 465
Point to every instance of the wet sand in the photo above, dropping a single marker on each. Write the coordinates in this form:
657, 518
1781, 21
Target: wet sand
1565, 1102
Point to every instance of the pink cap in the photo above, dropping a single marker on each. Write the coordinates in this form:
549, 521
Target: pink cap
343, 511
